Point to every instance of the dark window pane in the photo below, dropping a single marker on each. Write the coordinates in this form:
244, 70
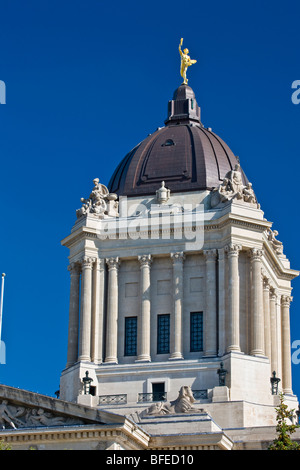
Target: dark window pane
158, 391
130, 336
196, 331
163, 334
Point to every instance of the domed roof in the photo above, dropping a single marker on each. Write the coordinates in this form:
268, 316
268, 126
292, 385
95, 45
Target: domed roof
183, 154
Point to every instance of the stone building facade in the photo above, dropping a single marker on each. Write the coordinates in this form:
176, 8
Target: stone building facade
180, 298
174, 272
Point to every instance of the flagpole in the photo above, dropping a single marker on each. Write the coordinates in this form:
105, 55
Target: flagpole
1, 304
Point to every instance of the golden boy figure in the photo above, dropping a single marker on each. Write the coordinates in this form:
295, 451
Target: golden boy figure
186, 62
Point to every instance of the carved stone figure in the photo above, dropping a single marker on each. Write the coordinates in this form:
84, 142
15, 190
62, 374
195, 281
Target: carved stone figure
248, 193
182, 404
99, 203
276, 244
232, 188
41, 418
14, 417
6, 417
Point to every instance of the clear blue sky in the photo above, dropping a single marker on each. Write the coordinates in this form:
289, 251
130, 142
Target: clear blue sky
87, 81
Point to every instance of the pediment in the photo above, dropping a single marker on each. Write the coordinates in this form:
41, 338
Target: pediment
23, 409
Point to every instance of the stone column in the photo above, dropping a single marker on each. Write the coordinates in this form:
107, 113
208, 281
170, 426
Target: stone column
86, 309
143, 341
97, 311
267, 320
233, 297
222, 302
257, 324
273, 327
286, 345
72, 357
112, 311
210, 325
176, 334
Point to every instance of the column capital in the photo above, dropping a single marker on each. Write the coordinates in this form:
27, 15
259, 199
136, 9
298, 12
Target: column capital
273, 294
210, 254
233, 249
255, 254
113, 263
145, 260
178, 256
87, 262
286, 300
266, 283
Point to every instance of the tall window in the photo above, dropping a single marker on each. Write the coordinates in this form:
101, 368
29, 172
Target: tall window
163, 334
196, 329
130, 336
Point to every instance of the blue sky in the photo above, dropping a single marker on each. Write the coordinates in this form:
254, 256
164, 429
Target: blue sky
85, 82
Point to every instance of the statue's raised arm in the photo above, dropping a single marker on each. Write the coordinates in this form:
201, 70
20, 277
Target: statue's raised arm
180, 44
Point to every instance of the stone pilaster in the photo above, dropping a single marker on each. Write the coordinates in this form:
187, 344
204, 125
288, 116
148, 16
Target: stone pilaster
210, 324
233, 297
176, 334
86, 309
257, 323
286, 344
74, 308
112, 311
143, 341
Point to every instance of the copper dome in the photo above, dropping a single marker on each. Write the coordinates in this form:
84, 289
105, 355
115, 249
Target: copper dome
184, 154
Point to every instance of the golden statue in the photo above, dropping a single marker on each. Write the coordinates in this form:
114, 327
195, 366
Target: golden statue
186, 62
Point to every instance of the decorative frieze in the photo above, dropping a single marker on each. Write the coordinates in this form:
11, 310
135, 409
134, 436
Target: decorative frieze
14, 417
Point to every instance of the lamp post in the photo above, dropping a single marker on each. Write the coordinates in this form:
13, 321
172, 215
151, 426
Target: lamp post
87, 383
1, 305
222, 375
274, 383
